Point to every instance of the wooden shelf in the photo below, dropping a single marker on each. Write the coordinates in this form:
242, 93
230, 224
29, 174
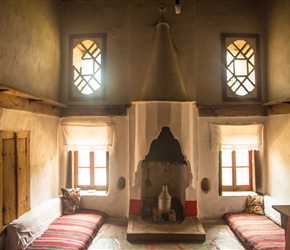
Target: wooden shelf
281, 106
11, 98
272, 103
30, 97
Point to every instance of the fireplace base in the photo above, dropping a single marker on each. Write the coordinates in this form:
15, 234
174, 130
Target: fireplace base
190, 229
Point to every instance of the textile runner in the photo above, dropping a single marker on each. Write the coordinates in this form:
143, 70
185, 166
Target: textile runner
74, 231
256, 231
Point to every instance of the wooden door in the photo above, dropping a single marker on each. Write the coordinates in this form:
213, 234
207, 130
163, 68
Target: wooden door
14, 175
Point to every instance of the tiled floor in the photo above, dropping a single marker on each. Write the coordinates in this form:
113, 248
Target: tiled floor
112, 236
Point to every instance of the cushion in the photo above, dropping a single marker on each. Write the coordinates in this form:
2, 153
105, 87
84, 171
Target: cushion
255, 205
24, 230
71, 200
70, 232
255, 231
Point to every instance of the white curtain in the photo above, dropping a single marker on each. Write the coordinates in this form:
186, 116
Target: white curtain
87, 136
250, 136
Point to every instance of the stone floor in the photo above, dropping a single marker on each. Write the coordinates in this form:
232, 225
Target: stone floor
113, 236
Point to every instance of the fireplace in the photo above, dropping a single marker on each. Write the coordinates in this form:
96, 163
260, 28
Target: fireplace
164, 165
165, 147
163, 151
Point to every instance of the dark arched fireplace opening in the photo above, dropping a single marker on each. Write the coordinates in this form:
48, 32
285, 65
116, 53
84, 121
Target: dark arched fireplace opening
164, 165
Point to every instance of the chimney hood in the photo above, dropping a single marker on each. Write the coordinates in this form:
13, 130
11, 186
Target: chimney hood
163, 80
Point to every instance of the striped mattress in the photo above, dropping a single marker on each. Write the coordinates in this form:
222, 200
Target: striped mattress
256, 231
74, 231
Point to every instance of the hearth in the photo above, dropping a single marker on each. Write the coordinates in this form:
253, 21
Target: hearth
163, 123
164, 166
190, 229
167, 166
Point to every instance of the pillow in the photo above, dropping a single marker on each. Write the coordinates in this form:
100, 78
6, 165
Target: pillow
255, 205
71, 200
23, 231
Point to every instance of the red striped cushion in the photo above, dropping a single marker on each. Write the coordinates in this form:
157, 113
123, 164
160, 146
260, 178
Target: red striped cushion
256, 231
73, 231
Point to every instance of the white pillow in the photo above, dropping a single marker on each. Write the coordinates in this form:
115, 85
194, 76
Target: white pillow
24, 230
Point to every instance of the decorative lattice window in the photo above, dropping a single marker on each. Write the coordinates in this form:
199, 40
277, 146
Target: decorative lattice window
87, 67
240, 67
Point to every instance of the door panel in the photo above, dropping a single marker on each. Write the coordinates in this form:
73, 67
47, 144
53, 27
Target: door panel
9, 182
14, 175
22, 173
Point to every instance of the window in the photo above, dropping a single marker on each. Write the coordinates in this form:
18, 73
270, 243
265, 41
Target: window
237, 169
87, 147
240, 60
237, 146
91, 169
87, 67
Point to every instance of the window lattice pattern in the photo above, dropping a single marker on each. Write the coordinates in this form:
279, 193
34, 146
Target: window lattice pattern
87, 67
241, 68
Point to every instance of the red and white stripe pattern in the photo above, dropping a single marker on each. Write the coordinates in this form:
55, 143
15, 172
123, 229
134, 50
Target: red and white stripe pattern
256, 231
74, 231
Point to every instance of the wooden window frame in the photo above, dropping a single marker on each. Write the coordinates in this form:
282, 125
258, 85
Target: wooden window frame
252, 175
73, 93
225, 38
92, 167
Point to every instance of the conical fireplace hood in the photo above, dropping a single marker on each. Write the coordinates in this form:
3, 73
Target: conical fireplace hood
163, 81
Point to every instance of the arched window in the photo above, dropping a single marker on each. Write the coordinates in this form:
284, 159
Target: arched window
87, 67
241, 68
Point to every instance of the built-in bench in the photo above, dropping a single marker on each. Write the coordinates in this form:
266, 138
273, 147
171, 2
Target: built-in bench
259, 226
49, 226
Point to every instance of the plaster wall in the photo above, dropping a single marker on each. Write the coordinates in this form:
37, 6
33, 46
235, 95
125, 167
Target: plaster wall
116, 202
93, 17
44, 160
130, 27
30, 47
30, 61
211, 204
278, 51
211, 19
278, 157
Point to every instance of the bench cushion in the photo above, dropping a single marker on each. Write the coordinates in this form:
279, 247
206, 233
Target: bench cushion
24, 230
256, 231
73, 231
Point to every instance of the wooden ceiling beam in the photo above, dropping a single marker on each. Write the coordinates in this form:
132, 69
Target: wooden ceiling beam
231, 111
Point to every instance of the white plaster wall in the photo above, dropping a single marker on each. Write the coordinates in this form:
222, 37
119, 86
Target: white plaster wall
210, 204
278, 184
116, 202
44, 162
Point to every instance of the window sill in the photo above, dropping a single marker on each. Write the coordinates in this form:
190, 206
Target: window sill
92, 192
238, 193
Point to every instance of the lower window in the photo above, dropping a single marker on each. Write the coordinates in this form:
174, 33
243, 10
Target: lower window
237, 169
91, 169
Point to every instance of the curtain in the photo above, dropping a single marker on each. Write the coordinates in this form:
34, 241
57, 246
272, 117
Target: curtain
249, 136
90, 137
